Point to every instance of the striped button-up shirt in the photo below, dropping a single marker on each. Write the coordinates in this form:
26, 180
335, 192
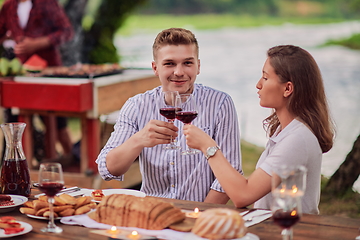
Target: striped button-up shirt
167, 173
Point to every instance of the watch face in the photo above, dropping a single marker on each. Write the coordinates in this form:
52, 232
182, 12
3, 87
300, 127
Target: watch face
212, 151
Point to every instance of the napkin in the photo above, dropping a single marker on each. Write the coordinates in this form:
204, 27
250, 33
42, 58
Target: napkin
257, 216
85, 221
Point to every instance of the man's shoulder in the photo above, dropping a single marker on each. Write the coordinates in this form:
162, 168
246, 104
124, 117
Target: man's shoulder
206, 92
207, 89
145, 95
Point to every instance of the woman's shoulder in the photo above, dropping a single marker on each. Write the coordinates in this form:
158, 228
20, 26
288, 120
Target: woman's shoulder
299, 134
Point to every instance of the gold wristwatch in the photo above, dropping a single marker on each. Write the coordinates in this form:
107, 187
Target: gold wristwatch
211, 151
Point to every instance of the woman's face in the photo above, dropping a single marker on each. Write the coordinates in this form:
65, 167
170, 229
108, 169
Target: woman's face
272, 92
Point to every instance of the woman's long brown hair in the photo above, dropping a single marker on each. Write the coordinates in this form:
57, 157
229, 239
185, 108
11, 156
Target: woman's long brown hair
308, 101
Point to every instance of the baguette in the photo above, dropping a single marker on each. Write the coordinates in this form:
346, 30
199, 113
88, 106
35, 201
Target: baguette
27, 210
82, 210
29, 204
67, 212
64, 205
47, 214
39, 205
62, 208
41, 212
81, 201
68, 199
43, 198
59, 201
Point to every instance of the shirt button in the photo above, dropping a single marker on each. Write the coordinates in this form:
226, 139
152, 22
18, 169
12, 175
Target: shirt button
172, 163
172, 185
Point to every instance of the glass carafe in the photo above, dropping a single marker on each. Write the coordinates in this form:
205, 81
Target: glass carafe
15, 175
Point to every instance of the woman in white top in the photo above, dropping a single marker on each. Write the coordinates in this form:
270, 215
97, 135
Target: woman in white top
300, 130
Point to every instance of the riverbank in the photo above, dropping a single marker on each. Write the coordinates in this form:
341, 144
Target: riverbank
136, 23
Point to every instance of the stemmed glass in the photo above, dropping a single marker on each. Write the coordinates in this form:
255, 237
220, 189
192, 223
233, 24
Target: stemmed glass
186, 112
51, 181
167, 109
288, 187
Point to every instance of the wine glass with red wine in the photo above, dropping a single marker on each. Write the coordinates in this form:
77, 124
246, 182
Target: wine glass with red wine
51, 181
186, 111
288, 187
167, 109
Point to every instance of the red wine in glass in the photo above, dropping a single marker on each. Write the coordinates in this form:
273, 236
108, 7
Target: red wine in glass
169, 113
51, 181
186, 112
51, 188
286, 219
186, 117
167, 109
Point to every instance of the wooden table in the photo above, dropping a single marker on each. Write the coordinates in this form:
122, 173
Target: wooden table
310, 226
85, 98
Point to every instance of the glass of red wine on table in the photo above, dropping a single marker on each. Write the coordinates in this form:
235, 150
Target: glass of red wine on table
186, 112
167, 109
51, 181
288, 187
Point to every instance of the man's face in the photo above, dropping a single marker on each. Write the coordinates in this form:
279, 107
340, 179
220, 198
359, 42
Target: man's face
177, 67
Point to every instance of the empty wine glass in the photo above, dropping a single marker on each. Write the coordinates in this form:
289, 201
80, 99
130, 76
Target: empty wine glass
167, 109
186, 112
51, 181
288, 187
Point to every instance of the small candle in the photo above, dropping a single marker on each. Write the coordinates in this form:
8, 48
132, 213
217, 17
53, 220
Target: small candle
194, 214
113, 230
294, 189
134, 235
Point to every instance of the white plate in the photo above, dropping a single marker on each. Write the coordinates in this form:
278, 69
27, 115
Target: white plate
248, 236
107, 192
17, 200
27, 228
41, 217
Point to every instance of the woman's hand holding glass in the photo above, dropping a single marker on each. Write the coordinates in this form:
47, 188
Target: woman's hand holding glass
186, 112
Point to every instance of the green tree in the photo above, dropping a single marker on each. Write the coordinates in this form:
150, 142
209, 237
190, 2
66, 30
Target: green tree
98, 46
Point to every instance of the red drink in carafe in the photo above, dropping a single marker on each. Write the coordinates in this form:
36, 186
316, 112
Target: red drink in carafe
15, 177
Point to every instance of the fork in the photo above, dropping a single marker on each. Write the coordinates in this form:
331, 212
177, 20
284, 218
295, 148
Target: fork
251, 218
250, 211
65, 190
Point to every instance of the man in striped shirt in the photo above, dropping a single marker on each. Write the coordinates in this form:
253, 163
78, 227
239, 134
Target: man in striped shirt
141, 132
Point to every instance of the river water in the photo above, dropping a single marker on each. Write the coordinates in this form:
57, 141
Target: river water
232, 60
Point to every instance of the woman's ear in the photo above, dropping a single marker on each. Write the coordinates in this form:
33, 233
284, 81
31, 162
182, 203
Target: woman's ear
289, 88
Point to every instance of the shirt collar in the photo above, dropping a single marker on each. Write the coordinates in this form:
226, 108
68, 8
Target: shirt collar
290, 127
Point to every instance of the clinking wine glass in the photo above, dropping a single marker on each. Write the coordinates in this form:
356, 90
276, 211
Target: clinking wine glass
167, 109
186, 112
288, 187
51, 181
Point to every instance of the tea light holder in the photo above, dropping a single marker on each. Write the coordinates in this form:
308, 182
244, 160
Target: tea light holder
195, 214
113, 231
134, 235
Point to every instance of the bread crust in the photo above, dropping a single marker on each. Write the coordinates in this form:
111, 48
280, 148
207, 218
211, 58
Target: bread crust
219, 223
131, 211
